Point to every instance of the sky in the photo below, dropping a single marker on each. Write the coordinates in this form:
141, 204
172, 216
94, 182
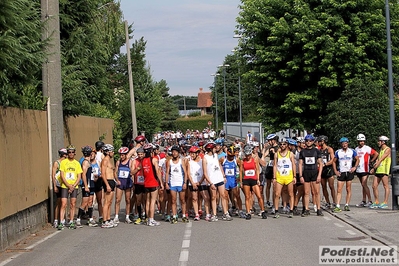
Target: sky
186, 39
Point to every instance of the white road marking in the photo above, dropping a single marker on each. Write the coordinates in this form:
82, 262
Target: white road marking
183, 259
350, 232
339, 225
28, 248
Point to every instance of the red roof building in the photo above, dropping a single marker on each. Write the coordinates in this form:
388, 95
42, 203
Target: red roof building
204, 101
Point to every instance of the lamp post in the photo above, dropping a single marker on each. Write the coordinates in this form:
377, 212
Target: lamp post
239, 95
391, 103
216, 100
239, 88
225, 99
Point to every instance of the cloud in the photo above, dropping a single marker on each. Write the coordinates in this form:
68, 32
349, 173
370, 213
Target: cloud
186, 40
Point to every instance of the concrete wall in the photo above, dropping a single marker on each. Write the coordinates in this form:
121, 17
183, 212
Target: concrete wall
25, 166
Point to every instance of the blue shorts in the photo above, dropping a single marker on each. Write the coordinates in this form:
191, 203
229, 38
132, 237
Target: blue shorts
231, 182
176, 188
126, 183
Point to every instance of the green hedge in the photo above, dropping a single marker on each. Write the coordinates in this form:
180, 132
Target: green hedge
199, 122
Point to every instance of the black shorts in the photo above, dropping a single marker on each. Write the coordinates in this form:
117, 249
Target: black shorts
87, 194
192, 189
269, 172
58, 194
360, 175
139, 189
150, 189
346, 176
126, 183
327, 172
249, 182
111, 183
203, 187
380, 175
65, 193
219, 184
98, 185
310, 175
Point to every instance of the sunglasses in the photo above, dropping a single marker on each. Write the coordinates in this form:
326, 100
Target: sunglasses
69, 152
283, 144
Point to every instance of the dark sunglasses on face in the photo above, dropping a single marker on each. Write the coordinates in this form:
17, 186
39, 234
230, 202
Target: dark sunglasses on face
70, 152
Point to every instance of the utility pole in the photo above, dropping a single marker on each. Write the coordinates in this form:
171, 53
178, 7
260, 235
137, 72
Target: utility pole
51, 79
184, 103
129, 70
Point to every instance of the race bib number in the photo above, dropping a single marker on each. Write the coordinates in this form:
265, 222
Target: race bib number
310, 160
270, 163
249, 173
324, 160
95, 170
123, 174
140, 179
92, 177
229, 172
70, 176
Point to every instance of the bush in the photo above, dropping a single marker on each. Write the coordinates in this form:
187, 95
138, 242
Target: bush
195, 123
194, 114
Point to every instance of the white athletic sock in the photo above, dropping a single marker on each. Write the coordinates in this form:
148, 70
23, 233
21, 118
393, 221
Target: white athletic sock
127, 216
63, 221
338, 205
116, 216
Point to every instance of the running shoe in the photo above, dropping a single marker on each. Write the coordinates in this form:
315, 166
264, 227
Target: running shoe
268, 205
127, 220
227, 217
72, 225
236, 212
327, 206
92, 223
374, 205
101, 220
196, 218
200, 213
214, 218
248, 216
78, 223
346, 208
276, 215
368, 204
253, 210
296, 212
305, 213
116, 220
291, 214
60, 226
208, 217
319, 213
174, 220
284, 210
264, 215
219, 209
383, 206
337, 209
107, 225
138, 221
361, 204
167, 218
273, 212
242, 215
315, 207
184, 220
55, 224
153, 223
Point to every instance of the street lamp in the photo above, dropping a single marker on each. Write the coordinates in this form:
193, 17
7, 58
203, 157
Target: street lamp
216, 100
225, 101
391, 103
239, 96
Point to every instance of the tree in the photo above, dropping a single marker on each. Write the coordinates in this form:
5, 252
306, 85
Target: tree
362, 108
302, 54
21, 54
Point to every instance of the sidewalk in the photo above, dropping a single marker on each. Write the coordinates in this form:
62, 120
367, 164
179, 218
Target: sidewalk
380, 224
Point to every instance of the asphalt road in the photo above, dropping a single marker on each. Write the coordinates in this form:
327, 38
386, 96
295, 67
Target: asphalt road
280, 241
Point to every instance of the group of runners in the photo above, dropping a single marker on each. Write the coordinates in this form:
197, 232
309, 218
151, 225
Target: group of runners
204, 175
